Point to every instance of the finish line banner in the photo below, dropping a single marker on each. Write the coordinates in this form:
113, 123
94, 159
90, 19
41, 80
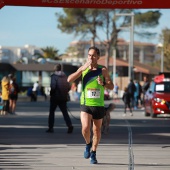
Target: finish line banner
110, 4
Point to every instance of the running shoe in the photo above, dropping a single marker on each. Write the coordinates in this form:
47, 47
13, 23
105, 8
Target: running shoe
93, 159
87, 151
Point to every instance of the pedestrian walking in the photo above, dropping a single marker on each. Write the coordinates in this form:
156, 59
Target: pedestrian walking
127, 99
131, 89
95, 78
58, 97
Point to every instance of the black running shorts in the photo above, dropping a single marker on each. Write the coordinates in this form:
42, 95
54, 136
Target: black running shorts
97, 112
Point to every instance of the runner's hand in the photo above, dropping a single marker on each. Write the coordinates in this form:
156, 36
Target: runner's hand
100, 81
86, 65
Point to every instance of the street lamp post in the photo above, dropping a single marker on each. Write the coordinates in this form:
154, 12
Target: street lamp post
114, 66
160, 45
162, 59
131, 43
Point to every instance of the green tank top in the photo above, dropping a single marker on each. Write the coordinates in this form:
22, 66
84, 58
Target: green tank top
92, 93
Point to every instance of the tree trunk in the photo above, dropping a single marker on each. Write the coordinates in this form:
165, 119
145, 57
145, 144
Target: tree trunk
93, 42
107, 55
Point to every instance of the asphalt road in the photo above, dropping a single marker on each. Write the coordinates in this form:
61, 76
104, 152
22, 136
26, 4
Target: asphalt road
138, 142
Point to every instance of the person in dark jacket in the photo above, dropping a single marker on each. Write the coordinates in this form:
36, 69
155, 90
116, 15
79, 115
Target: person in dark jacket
58, 97
126, 99
131, 90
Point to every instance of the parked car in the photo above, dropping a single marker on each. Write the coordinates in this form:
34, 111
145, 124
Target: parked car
157, 97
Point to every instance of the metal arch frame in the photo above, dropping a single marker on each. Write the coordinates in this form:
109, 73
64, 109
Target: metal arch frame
110, 4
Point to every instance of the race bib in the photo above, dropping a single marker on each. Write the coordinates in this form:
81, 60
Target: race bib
93, 93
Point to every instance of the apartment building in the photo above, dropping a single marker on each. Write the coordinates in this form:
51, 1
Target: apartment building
143, 52
14, 54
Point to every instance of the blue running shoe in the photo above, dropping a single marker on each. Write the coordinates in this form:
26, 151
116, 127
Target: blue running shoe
87, 151
93, 159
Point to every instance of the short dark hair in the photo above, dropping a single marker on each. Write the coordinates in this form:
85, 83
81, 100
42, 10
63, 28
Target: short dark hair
57, 67
96, 49
131, 80
125, 89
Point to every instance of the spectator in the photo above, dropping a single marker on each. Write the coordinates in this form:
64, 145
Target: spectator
30, 94
146, 84
106, 94
13, 95
5, 93
140, 92
42, 91
116, 89
136, 95
144, 89
1, 103
0, 97
79, 89
73, 92
35, 91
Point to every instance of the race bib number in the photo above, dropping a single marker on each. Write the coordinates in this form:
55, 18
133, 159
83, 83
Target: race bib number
93, 93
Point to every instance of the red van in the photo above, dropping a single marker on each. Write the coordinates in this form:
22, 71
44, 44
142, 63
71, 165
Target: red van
157, 97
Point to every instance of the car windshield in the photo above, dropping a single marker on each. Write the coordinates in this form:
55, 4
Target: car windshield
163, 87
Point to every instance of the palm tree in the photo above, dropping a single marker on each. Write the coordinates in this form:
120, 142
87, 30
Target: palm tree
50, 52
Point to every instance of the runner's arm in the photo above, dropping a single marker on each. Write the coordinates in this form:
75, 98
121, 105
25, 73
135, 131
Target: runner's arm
71, 78
108, 82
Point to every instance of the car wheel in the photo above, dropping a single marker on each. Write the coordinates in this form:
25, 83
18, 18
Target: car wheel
152, 114
146, 113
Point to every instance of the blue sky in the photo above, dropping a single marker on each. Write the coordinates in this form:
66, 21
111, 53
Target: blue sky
38, 26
